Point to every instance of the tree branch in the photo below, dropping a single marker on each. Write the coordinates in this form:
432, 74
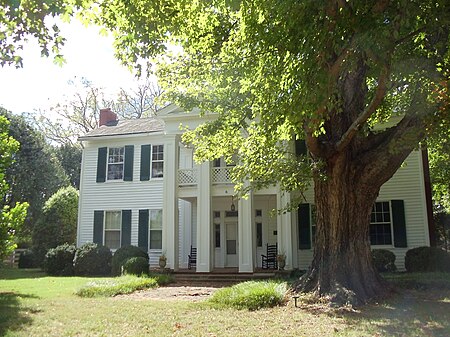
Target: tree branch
371, 108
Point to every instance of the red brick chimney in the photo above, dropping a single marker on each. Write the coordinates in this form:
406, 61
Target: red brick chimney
106, 117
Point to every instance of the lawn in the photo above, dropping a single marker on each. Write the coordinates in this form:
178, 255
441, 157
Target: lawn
32, 304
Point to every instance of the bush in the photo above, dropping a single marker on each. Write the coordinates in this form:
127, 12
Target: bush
59, 260
26, 259
92, 259
383, 260
135, 266
122, 255
251, 295
58, 224
427, 259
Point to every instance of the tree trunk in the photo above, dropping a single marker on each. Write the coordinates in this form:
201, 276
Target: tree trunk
342, 267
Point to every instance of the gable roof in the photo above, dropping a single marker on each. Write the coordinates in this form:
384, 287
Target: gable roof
126, 127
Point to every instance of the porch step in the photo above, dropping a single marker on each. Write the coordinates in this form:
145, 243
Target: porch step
214, 277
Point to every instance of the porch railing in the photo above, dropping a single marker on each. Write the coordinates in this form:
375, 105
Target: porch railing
220, 175
187, 177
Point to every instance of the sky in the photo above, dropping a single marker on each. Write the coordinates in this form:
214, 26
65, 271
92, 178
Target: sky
41, 83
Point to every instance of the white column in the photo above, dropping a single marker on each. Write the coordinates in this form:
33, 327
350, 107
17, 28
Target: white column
170, 203
245, 234
284, 230
204, 219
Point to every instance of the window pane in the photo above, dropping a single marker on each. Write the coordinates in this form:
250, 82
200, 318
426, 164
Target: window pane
112, 239
217, 235
156, 219
259, 234
157, 169
231, 247
115, 171
155, 239
112, 220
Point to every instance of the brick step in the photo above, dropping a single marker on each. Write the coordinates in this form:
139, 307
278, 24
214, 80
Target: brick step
220, 278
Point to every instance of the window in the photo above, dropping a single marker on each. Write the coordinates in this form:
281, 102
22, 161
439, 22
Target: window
217, 235
259, 232
113, 224
380, 224
157, 161
258, 212
115, 163
155, 229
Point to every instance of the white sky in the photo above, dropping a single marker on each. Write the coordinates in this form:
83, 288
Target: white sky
41, 83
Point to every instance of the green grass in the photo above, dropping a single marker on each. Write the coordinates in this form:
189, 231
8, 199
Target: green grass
32, 304
251, 295
118, 286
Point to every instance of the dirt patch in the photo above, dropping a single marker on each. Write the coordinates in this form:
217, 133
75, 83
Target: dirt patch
173, 292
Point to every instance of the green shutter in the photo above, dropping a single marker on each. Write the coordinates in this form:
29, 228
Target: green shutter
143, 229
399, 223
145, 162
300, 147
304, 226
129, 159
101, 164
126, 228
98, 227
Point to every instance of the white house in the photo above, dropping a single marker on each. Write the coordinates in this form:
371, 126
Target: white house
140, 186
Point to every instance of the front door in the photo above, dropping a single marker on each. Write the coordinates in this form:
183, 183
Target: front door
231, 245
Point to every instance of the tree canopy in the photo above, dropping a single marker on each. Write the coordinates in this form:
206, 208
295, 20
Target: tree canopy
35, 173
11, 216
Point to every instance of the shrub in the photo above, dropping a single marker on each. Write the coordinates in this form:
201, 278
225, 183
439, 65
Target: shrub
251, 295
427, 259
383, 260
136, 266
26, 259
122, 255
119, 285
92, 259
58, 223
59, 260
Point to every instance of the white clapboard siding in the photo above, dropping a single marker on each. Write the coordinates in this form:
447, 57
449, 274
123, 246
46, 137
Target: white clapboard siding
116, 195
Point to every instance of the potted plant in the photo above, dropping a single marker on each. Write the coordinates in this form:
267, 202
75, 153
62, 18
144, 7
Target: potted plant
162, 261
281, 259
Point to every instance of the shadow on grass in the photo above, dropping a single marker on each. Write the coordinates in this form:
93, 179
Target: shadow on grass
12, 314
7, 273
409, 313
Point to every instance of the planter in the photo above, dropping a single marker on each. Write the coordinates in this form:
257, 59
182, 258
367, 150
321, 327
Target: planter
162, 262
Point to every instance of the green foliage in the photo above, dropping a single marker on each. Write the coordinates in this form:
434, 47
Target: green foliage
251, 295
70, 158
384, 260
122, 254
136, 266
58, 224
12, 215
35, 174
22, 20
120, 285
92, 259
427, 259
26, 259
59, 261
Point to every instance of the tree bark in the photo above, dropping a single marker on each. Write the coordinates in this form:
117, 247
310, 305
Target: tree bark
342, 265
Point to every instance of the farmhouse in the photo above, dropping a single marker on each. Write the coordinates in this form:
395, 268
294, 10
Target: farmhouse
140, 186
